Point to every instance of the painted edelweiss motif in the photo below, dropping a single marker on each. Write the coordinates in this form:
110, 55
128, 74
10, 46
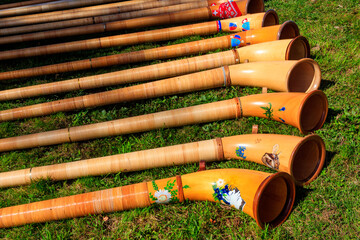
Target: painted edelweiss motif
228, 195
163, 196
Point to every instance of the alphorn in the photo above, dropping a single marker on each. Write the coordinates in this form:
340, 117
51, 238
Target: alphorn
179, 67
109, 23
23, 3
289, 76
288, 31
103, 9
50, 6
200, 14
107, 18
268, 198
306, 111
302, 158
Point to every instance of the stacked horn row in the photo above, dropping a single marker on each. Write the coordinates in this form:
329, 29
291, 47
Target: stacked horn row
265, 55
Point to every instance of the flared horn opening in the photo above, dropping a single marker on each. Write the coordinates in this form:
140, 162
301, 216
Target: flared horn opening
255, 6
313, 111
297, 49
304, 76
274, 200
307, 159
288, 30
270, 18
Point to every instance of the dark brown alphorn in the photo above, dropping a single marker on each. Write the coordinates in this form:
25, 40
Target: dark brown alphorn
71, 13
107, 18
23, 3
259, 20
290, 76
302, 158
169, 69
268, 198
99, 10
101, 24
50, 6
306, 111
186, 16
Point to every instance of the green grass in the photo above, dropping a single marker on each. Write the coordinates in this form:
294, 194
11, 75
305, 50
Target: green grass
328, 208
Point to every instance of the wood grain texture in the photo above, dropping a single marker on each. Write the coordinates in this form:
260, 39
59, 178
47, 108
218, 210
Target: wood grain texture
140, 74
22, 3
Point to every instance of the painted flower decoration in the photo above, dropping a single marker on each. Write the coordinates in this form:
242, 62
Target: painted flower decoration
163, 196
220, 182
234, 199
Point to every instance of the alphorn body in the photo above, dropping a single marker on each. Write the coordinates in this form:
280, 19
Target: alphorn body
98, 10
306, 111
268, 198
50, 6
289, 76
255, 21
23, 3
302, 158
177, 50
95, 20
178, 67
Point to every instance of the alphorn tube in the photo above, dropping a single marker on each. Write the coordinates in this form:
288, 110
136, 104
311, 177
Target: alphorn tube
166, 69
256, 21
98, 10
23, 3
106, 18
297, 47
290, 76
268, 198
50, 6
306, 111
302, 158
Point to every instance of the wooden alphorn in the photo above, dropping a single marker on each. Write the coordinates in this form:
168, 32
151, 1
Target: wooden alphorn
289, 76
306, 111
268, 198
98, 10
107, 18
177, 50
302, 158
179, 67
254, 21
23, 3
50, 6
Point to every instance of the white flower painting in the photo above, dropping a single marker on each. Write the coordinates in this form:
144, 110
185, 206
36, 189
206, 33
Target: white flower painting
163, 196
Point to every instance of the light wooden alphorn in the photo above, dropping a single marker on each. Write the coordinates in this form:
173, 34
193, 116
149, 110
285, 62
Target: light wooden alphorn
169, 7
98, 10
300, 44
289, 76
306, 111
302, 158
254, 21
268, 198
23, 3
179, 67
50, 6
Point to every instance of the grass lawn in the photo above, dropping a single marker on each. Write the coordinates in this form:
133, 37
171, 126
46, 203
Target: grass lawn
328, 208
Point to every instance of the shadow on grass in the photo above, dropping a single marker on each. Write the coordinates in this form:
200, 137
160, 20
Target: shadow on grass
332, 114
328, 158
325, 84
301, 194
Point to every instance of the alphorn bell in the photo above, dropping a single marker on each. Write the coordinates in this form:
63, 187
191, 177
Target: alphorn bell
256, 21
165, 7
302, 158
288, 30
306, 111
289, 76
268, 198
50, 6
